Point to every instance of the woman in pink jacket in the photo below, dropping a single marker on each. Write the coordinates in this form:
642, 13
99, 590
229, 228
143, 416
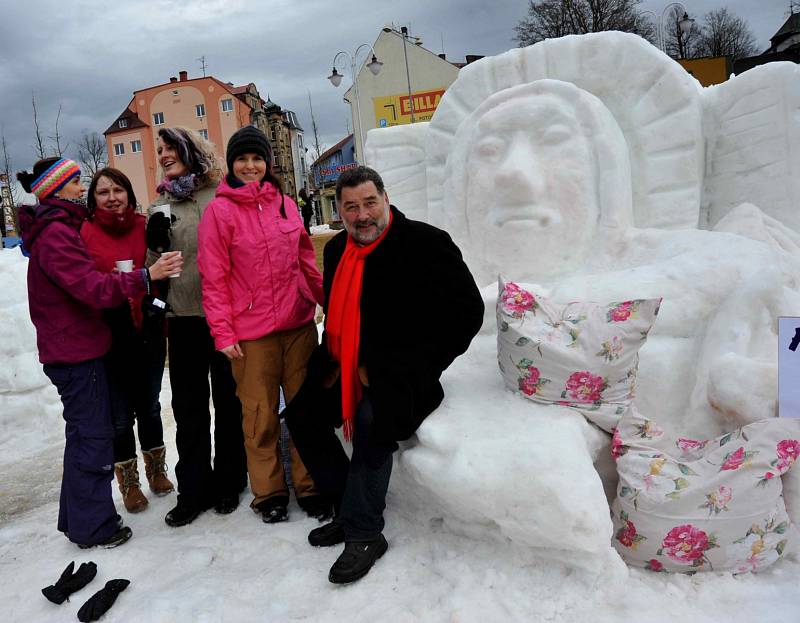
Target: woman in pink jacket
260, 287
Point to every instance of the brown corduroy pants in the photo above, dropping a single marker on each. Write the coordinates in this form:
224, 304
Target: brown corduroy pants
271, 362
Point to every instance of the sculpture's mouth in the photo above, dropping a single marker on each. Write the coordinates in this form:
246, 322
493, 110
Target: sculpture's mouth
538, 216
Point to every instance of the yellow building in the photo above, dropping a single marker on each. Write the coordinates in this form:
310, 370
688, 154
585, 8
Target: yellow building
708, 70
384, 98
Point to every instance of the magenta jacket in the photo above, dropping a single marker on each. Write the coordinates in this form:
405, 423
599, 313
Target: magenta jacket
257, 267
65, 290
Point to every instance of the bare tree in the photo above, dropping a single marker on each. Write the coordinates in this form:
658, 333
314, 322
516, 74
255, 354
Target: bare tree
681, 44
13, 191
92, 153
39, 146
726, 34
555, 18
318, 149
56, 138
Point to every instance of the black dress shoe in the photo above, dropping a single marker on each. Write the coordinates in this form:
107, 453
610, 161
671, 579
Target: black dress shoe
227, 504
356, 560
182, 515
118, 538
328, 535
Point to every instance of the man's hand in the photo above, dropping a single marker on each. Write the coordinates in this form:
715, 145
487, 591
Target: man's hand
362, 375
234, 351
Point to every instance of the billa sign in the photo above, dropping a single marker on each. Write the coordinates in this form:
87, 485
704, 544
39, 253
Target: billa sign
396, 109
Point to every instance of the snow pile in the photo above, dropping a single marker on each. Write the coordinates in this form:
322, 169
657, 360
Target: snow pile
30, 410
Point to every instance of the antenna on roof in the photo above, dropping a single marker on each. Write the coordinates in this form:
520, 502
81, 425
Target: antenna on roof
202, 60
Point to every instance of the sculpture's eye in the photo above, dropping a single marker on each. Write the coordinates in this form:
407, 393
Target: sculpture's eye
491, 148
555, 135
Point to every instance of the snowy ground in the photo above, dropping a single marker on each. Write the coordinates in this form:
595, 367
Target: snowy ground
445, 563
235, 568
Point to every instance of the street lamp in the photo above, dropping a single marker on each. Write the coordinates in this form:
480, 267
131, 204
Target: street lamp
685, 24
374, 67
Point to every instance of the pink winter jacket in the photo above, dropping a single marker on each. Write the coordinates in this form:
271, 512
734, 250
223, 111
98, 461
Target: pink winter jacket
257, 268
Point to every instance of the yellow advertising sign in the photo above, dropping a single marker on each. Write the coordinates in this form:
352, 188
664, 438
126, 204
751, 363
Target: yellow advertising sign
396, 109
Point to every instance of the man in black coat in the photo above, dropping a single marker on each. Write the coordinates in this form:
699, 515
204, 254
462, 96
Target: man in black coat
419, 310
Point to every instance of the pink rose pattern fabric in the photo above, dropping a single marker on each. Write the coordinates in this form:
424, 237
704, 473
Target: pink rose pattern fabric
580, 355
690, 505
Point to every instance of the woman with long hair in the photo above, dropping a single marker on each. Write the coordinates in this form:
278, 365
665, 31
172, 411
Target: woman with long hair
66, 293
261, 286
191, 174
115, 234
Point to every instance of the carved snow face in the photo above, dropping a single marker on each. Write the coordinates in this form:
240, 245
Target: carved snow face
532, 188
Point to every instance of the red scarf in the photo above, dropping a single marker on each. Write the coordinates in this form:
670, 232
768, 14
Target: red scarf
343, 323
116, 224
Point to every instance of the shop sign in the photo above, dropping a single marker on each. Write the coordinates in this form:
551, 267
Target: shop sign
394, 110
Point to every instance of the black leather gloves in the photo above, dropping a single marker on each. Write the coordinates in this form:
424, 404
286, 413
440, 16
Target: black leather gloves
157, 235
70, 582
102, 600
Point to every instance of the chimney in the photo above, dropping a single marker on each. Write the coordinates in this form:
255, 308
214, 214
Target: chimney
184, 75
442, 56
471, 58
173, 79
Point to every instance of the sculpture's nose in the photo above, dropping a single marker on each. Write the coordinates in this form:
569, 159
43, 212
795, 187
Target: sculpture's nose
519, 177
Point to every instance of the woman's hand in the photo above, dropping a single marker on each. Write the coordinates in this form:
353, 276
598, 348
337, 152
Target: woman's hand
170, 263
234, 351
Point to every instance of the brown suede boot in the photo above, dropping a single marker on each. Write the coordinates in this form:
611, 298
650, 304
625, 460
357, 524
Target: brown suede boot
155, 468
128, 479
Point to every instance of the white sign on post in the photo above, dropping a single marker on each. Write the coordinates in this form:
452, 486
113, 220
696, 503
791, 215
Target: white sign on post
789, 366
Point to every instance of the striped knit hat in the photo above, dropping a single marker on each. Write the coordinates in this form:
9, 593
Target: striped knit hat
55, 178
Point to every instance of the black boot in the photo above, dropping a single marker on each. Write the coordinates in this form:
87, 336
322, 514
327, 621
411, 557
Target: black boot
226, 504
356, 560
328, 535
182, 515
273, 510
316, 506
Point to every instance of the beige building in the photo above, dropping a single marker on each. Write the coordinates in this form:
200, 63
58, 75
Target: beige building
213, 108
384, 99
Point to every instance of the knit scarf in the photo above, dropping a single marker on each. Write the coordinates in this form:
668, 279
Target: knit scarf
343, 323
116, 224
180, 187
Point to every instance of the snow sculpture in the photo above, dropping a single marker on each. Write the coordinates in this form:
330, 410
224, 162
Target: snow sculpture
29, 405
577, 164
753, 135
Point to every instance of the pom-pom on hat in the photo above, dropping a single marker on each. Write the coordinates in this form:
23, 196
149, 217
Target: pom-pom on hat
248, 140
55, 178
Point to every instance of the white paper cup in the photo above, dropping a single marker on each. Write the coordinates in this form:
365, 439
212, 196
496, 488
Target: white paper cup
164, 209
179, 254
125, 266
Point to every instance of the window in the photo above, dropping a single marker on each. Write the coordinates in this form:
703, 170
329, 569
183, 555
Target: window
200, 110
123, 123
119, 149
158, 118
204, 133
136, 147
227, 105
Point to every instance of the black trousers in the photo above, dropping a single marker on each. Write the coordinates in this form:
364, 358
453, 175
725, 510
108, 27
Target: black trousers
357, 487
192, 358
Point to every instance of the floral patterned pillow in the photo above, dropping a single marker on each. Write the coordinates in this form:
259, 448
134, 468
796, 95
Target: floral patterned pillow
692, 505
581, 355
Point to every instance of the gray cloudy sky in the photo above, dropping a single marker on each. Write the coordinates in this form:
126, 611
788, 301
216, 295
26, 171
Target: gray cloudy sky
90, 55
